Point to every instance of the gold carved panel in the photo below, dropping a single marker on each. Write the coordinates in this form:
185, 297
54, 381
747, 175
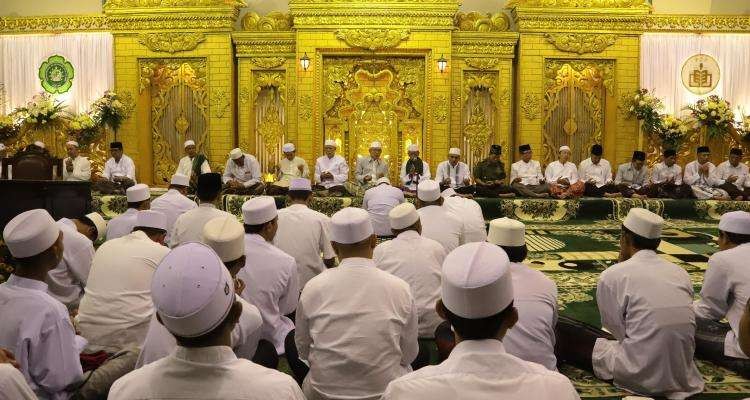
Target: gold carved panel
581, 43
372, 39
171, 42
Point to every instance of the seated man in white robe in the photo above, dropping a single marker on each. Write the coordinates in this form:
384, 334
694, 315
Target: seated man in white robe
596, 173
139, 199
414, 170
175, 202
698, 174
371, 168
477, 300
438, 222
242, 174
331, 171
193, 164
732, 176
526, 176
632, 177
290, 167
562, 176
119, 171
454, 173
76, 168
666, 178
470, 212
379, 200
189, 226
12, 383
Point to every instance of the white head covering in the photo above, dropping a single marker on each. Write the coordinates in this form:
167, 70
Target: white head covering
564, 148
259, 210
39, 143
151, 219
375, 145
2, 147
188, 143
100, 223
454, 151
138, 193
300, 184
350, 225
477, 281
288, 148
226, 236
235, 153
330, 142
403, 216
180, 180
507, 232
735, 222
428, 190
383, 180
412, 148
72, 143
30, 233
192, 290
449, 192
644, 223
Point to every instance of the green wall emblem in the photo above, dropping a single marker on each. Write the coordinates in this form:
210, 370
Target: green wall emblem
56, 74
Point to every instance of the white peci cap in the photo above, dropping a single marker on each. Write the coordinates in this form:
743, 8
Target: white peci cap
180, 180
412, 148
288, 148
454, 151
644, 223
100, 223
192, 290
476, 280
72, 143
350, 225
428, 190
375, 145
226, 236
39, 143
564, 148
189, 143
383, 180
735, 222
330, 142
403, 216
30, 233
139, 192
449, 192
302, 184
259, 210
235, 154
151, 219
507, 232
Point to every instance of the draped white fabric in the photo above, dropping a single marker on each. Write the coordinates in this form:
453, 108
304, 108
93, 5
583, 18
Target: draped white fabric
662, 57
90, 54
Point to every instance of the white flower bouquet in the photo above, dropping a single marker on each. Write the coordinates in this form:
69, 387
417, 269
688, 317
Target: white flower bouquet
9, 127
645, 107
84, 129
713, 113
672, 131
41, 112
111, 110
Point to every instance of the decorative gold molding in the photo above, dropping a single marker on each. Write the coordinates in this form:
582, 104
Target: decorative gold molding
115, 4
543, 21
482, 63
481, 22
372, 39
263, 47
171, 42
245, 95
581, 43
481, 44
53, 23
503, 97
268, 62
220, 102
638, 4
273, 22
440, 108
385, 18
698, 23
305, 107
175, 21
531, 106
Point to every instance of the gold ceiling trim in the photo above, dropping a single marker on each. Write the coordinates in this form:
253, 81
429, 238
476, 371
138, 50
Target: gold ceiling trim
581, 43
628, 4
482, 44
482, 22
482, 63
171, 42
130, 4
551, 22
372, 39
176, 21
268, 62
698, 23
57, 23
276, 44
273, 22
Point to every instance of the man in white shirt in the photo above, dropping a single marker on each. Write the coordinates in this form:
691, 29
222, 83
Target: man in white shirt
119, 169
562, 176
289, 167
379, 200
356, 325
36, 327
732, 176
698, 175
331, 171
75, 167
526, 175
193, 164
175, 202
725, 292
371, 168
596, 173
470, 212
666, 178
632, 177
139, 198
13, 386
454, 173
308, 244
116, 308
242, 174
189, 226
646, 304
438, 223
414, 170
195, 299
478, 302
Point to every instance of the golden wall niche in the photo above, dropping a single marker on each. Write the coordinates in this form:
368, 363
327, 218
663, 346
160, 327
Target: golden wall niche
269, 114
479, 113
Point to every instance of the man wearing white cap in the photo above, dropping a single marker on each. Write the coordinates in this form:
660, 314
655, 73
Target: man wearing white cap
119, 169
289, 167
139, 198
535, 298
371, 168
646, 303
193, 164
67, 280
356, 325
75, 166
305, 245
226, 237
379, 200
725, 292
331, 170
477, 300
417, 260
526, 175
242, 174
470, 212
194, 298
270, 274
414, 170
189, 226
175, 202
438, 223
562, 176
454, 173
36, 327
116, 308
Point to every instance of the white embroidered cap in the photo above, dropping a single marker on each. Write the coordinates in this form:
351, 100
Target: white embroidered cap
288, 148
226, 236
136, 193
403, 216
151, 219
454, 151
350, 225
644, 223
507, 232
302, 184
735, 222
428, 190
375, 145
259, 210
100, 223
189, 143
180, 180
30, 233
235, 154
330, 143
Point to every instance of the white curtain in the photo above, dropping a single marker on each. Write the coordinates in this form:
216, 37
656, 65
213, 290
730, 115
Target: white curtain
89, 53
662, 57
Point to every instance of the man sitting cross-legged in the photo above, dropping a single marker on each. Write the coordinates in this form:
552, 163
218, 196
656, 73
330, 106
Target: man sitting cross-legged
526, 175
562, 176
596, 172
632, 177
732, 176
666, 178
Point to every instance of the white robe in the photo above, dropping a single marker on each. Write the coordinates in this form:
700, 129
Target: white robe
443, 226
336, 165
725, 170
126, 167
600, 174
661, 173
248, 174
12, 384
68, 279
189, 226
122, 224
81, 169
457, 174
470, 212
529, 172
379, 201
556, 170
411, 181
185, 167
172, 204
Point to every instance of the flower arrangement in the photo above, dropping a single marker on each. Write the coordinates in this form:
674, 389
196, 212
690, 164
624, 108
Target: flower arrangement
672, 131
743, 127
713, 113
645, 107
111, 110
9, 127
83, 129
41, 112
